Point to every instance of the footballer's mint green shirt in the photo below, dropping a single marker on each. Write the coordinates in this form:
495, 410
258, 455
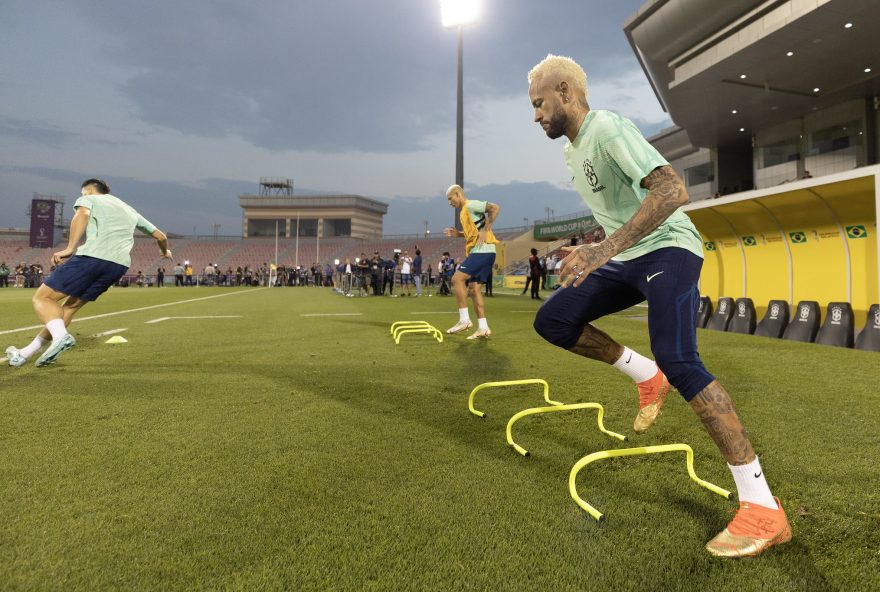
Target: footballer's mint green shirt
608, 160
111, 225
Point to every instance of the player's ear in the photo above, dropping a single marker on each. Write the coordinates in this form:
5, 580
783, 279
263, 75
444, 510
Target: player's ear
564, 91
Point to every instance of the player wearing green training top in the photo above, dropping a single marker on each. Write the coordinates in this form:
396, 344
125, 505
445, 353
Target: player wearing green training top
653, 252
85, 272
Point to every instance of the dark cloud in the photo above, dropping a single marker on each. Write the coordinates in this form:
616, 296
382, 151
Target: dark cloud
339, 75
39, 132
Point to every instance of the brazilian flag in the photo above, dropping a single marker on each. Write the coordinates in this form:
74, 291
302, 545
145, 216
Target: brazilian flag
856, 231
710, 246
749, 241
798, 236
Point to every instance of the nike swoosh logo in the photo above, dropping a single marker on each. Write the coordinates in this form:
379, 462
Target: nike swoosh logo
758, 474
630, 358
651, 277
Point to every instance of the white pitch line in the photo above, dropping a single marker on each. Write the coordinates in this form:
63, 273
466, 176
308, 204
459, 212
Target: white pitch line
113, 314
333, 314
110, 332
160, 319
435, 312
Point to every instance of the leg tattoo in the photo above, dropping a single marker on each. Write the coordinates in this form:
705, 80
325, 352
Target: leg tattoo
715, 409
597, 345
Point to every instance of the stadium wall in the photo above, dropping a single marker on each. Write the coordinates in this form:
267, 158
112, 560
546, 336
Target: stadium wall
812, 240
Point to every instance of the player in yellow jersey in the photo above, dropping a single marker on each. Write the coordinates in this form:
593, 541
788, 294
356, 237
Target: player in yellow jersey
477, 218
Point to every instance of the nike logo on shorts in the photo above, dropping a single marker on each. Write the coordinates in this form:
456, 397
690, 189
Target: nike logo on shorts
651, 277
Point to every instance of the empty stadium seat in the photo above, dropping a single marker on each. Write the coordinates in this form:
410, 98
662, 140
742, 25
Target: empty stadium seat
837, 330
805, 324
721, 318
869, 338
704, 312
775, 320
743, 320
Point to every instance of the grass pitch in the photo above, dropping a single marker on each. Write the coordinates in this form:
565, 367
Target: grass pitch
276, 451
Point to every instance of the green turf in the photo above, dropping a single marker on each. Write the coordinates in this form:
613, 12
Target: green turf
282, 452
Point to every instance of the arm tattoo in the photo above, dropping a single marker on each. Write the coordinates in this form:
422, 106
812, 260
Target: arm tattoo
715, 409
597, 345
666, 193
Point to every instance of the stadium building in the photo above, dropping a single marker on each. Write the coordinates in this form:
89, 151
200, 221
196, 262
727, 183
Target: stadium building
276, 208
777, 136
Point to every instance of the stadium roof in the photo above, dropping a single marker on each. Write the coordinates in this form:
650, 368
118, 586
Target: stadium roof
706, 59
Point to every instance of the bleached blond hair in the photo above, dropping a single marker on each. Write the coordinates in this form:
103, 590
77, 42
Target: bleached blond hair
454, 189
561, 67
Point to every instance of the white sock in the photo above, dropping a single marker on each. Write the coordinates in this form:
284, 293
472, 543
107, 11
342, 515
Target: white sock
33, 347
751, 486
636, 366
463, 315
57, 328
482, 324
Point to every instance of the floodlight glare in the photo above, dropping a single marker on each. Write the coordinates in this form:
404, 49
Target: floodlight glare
456, 13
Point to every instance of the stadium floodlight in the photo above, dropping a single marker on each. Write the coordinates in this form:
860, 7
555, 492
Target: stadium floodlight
456, 13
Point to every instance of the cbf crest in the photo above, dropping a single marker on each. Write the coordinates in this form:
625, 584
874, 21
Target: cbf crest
804, 312
592, 177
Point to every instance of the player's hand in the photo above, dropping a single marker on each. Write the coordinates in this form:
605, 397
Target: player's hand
449, 231
167, 254
580, 262
58, 257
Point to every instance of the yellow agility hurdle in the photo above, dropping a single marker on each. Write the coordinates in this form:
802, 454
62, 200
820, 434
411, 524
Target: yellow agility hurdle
508, 383
632, 452
397, 324
433, 331
400, 328
569, 407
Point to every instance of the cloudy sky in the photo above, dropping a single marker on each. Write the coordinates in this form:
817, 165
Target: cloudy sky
182, 106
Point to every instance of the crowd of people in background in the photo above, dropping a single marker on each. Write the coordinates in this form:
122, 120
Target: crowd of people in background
400, 273
21, 275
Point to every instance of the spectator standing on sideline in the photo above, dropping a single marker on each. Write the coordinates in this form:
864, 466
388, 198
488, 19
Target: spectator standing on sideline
417, 272
90, 269
389, 266
4, 275
178, 275
543, 264
535, 273
405, 273
209, 275
160, 277
188, 272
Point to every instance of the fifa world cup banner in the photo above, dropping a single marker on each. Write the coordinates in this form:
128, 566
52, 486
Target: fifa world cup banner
564, 228
42, 224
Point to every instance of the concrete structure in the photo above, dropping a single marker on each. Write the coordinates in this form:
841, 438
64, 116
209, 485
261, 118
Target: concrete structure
321, 216
762, 92
776, 108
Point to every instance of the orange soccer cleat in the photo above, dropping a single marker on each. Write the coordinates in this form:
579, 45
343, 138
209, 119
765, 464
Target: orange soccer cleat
652, 393
752, 531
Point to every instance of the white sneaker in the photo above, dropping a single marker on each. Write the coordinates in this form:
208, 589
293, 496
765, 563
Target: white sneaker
459, 327
480, 334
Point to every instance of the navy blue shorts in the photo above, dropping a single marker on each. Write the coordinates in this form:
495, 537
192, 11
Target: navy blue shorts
478, 266
667, 279
85, 277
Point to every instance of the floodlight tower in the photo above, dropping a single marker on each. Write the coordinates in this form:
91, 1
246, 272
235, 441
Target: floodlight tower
458, 13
